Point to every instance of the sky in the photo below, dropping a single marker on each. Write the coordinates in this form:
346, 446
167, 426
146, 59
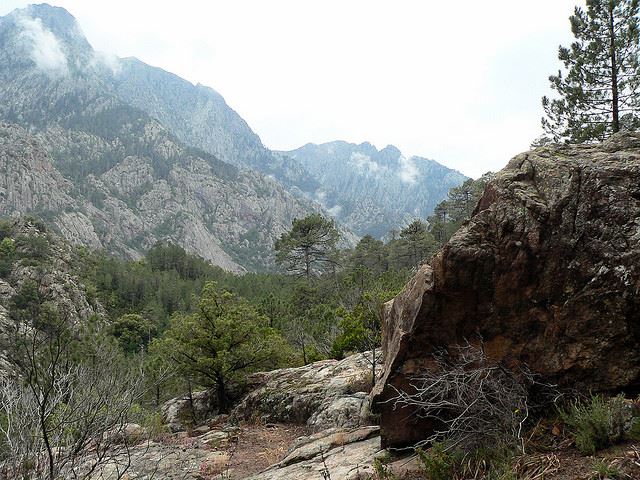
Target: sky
458, 82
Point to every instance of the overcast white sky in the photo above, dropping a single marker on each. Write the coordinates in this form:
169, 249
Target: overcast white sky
459, 82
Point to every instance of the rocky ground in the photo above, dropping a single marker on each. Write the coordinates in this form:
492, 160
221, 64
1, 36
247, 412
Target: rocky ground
257, 451
293, 423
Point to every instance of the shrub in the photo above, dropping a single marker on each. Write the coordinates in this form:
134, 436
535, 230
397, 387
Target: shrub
5, 228
381, 470
472, 401
603, 470
634, 431
596, 423
153, 424
33, 247
438, 463
7, 252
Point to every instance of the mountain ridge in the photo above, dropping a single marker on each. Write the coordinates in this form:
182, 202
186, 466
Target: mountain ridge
92, 112
132, 181
395, 189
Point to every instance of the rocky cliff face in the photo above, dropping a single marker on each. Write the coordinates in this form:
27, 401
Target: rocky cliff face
47, 264
546, 273
224, 215
116, 177
371, 191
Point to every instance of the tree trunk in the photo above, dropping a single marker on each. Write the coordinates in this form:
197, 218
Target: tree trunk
615, 121
191, 405
221, 394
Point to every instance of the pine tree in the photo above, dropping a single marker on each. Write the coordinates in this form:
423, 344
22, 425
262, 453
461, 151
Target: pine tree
309, 246
598, 94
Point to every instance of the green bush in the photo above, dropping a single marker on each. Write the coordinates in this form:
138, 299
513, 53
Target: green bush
33, 247
596, 423
438, 463
7, 253
5, 228
151, 421
604, 470
381, 469
634, 431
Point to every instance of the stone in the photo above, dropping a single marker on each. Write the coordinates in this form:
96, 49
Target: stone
216, 439
201, 430
546, 273
155, 460
343, 453
6, 292
179, 415
129, 434
321, 395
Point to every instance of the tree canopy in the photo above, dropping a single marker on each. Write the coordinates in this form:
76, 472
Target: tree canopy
224, 339
598, 92
309, 246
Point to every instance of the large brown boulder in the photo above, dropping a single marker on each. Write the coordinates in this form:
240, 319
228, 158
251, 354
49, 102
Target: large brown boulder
546, 273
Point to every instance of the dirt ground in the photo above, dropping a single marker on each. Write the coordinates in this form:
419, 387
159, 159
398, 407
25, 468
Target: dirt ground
260, 446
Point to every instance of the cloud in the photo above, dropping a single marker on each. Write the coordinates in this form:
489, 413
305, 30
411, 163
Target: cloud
46, 50
320, 196
108, 60
335, 211
408, 172
364, 163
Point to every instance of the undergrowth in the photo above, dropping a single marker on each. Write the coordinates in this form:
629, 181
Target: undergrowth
597, 422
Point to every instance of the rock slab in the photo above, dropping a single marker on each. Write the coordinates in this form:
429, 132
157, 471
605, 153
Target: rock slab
322, 395
546, 273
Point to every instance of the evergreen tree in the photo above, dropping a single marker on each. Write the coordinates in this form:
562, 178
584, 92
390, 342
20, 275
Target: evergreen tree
416, 243
223, 341
457, 208
598, 94
309, 246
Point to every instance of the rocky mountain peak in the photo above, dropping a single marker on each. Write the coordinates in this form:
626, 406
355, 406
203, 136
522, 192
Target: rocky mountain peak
48, 36
374, 191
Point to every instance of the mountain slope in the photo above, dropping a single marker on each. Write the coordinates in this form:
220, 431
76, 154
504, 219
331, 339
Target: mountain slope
121, 179
371, 191
199, 116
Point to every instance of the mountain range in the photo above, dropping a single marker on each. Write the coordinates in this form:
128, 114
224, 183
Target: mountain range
375, 191
115, 154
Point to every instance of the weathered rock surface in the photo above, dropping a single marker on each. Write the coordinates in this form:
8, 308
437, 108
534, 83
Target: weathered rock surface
157, 460
182, 412
322, 395
52, 270
546, 272
343, 453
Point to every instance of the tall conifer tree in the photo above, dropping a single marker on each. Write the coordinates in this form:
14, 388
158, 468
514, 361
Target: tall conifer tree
598, 92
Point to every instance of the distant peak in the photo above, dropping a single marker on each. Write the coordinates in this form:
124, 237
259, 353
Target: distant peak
56, 20
49, 10
391, 150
